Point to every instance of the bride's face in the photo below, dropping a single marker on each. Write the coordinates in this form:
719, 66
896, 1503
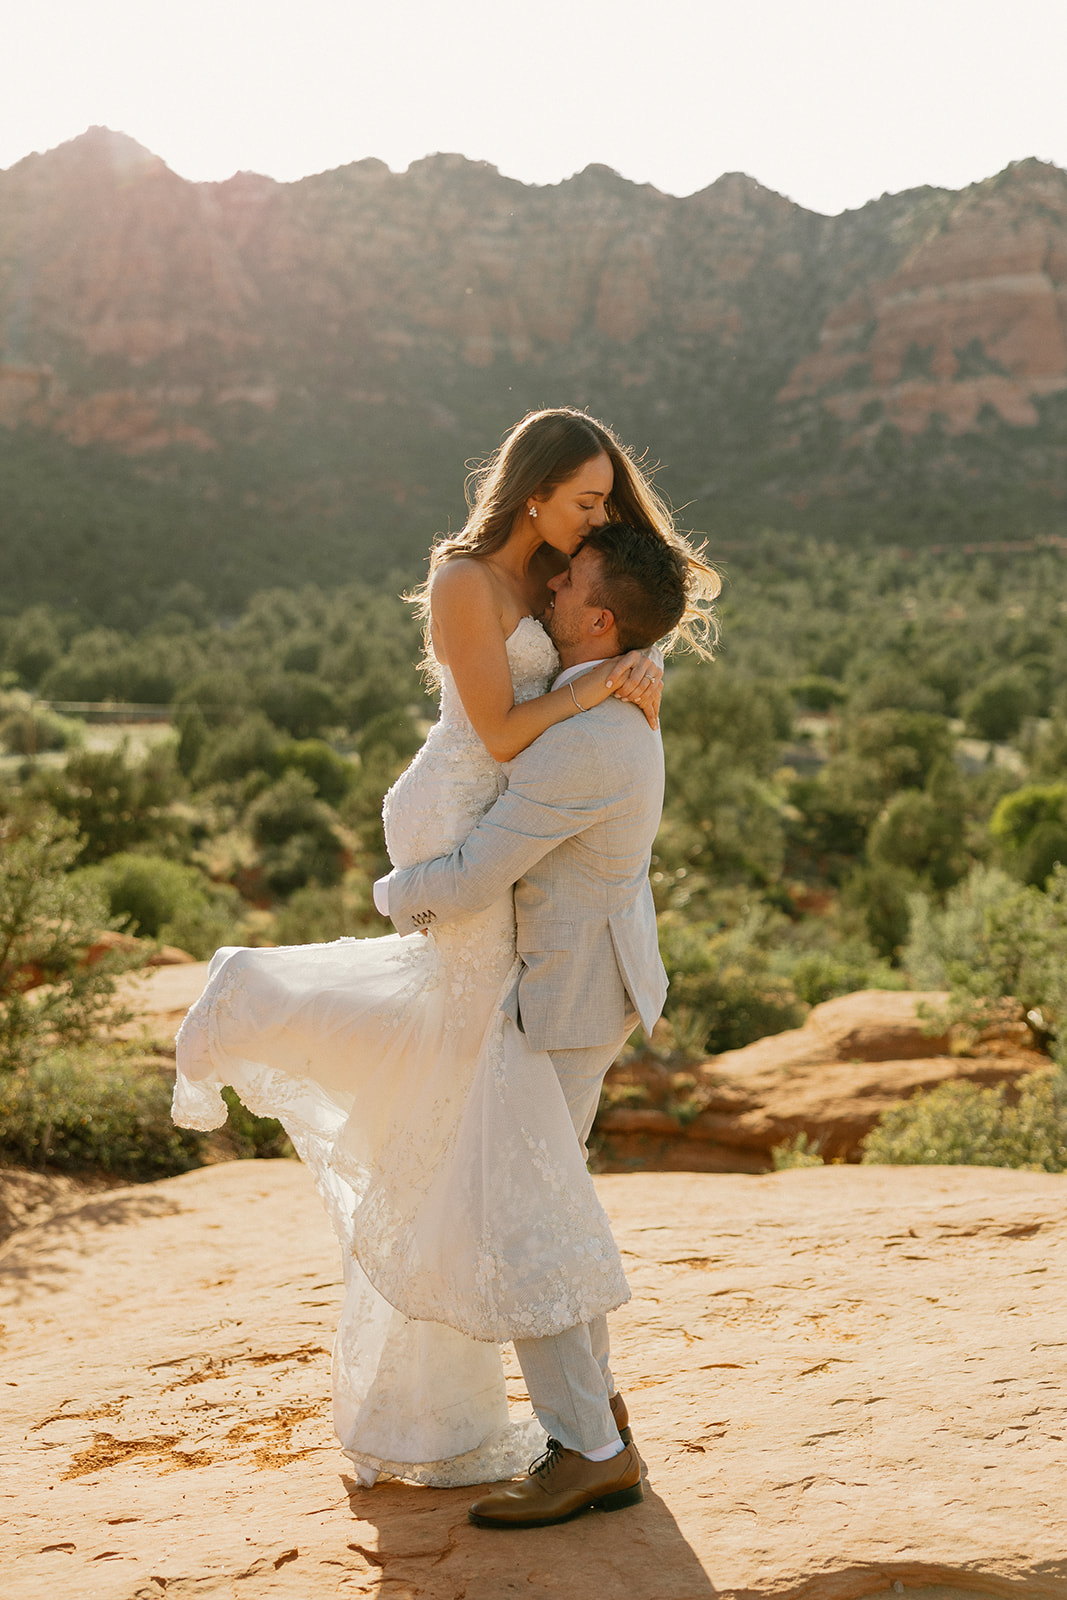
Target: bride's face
576, 506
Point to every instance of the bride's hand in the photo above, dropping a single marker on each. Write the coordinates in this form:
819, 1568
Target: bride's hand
643, 684
637, 677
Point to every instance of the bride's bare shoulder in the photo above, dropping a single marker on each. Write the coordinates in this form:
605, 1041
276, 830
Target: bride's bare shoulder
465, 610
464, 587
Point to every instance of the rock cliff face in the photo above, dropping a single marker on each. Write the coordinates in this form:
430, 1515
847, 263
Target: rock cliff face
341, 344
973, 316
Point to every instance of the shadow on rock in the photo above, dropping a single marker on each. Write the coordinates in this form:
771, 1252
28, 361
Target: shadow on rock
39, 1256
421, 1541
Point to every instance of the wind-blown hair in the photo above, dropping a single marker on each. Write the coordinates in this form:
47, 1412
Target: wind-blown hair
542, 451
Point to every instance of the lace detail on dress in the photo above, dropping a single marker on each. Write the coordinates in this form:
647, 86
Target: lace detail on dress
439, 1140
454, 780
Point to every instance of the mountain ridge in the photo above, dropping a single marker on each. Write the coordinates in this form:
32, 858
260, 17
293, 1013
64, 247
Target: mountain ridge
319, 358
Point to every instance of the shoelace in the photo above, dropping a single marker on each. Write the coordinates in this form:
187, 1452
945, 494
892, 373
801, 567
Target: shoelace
546, 1462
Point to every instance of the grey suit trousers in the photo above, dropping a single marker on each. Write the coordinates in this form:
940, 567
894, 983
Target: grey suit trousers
567, 1376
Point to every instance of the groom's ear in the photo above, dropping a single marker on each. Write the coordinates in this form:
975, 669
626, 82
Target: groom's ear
603, 621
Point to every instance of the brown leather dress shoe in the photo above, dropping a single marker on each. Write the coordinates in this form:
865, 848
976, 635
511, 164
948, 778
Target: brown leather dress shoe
561, 1485
621, 1417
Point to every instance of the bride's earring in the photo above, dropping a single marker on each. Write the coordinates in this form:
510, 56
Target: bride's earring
533, 512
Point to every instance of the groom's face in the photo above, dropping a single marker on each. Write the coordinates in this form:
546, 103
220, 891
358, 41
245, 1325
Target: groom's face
574, 620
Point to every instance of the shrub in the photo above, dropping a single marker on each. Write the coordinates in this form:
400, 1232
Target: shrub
1021, 956
253, 1138
314, 915
944, 943
93, 1110
144, 892
1030, 825
332, 775
231, 753
114, 804
201, 926
798, 1152
881, 894
301, 704
27, 729
723, 994
820, 975
296, 835
48, 921
921, 834
161, 899
816, 693
996, 709
962, 1124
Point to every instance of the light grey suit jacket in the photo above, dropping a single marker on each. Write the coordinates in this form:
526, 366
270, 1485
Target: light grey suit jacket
573, 833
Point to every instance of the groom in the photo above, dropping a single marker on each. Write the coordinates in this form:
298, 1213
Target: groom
574, 834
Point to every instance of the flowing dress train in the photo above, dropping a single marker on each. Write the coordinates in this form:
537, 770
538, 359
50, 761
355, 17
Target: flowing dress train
439, 1140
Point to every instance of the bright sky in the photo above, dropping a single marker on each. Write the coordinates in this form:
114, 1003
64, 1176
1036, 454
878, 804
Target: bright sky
831, 102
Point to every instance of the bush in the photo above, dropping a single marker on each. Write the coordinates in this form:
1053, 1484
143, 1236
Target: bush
798, 1152
1021, 957
27, 729
230, 753
962, 1124
944, 943
113, 803
161, 899
301, 704
201, 926
921, 834
1030, 825
144, 892
314, 915
819, 975
881, 894
816, 693
254, 1138
996, 709
48, 921
332, 775
296, 835
93, 1110
723, 994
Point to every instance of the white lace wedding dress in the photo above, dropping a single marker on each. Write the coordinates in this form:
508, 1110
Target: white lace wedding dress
439, 1140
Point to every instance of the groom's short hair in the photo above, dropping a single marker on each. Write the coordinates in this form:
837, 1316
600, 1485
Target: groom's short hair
643, 582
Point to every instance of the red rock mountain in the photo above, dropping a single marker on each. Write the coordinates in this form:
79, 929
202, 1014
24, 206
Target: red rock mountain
324, 355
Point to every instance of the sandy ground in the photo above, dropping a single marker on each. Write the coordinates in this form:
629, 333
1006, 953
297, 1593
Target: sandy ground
844, 1381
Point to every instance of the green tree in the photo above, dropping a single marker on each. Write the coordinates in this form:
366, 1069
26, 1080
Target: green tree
114, 803
49, 920
995, 710
1030, 825
922, 834
297, 836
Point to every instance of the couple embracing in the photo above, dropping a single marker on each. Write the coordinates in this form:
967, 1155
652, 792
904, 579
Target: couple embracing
441, 1088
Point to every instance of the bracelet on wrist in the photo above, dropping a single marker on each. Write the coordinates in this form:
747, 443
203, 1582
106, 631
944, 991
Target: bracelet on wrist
575, 698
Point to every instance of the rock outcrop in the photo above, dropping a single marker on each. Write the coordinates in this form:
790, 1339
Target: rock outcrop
831, 1080
843, 1382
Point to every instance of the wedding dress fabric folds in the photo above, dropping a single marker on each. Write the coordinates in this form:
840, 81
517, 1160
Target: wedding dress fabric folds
439, 1140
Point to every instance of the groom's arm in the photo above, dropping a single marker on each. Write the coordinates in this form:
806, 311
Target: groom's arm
556, 789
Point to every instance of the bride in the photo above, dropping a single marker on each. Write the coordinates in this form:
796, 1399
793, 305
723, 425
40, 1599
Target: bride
439, 1142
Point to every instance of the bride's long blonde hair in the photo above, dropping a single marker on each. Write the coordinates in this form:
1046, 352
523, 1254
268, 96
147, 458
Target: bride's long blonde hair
543, 451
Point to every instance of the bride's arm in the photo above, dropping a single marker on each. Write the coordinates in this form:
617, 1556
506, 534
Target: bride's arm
469, 637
